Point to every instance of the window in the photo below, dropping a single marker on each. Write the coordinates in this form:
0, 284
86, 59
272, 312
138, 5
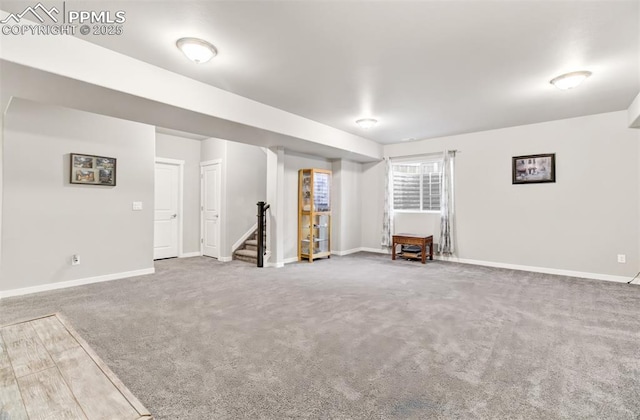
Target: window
416, 185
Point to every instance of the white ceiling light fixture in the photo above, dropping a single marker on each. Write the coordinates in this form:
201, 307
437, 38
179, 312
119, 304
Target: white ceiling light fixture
367, 123
196, 49
570, 80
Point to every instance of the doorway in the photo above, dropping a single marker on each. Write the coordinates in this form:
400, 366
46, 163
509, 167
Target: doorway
167, 221
210, 208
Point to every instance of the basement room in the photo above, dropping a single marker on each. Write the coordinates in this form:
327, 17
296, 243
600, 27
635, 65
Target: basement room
320, 209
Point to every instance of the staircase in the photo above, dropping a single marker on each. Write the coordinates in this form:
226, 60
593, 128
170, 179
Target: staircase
248, 251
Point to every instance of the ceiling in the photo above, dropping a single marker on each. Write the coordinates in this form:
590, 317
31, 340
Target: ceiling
424, 69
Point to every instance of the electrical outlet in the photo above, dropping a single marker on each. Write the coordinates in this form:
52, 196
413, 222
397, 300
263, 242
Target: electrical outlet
75, 259
622, 259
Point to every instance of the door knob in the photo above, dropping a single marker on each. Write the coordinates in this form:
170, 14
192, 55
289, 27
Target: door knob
173, 216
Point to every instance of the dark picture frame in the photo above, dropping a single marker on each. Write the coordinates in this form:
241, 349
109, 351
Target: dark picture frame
92, 170
533, 169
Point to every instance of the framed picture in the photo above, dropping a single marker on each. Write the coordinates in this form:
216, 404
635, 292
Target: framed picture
533, 169
92, 170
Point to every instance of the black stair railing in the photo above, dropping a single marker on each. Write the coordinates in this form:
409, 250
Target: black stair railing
262, 226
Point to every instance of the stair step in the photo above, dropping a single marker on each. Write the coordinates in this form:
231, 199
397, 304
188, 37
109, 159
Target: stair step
251, 247
252, 242
246, 259
247, 253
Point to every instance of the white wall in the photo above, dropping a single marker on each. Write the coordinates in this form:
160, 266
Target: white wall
580, 223
346, 206
336, 205
46, 219
276, 213
634, 113
246, 185
372, 203
352, 206
244, 172
3, 103
293, 163
419, 223
212, 149
188, 150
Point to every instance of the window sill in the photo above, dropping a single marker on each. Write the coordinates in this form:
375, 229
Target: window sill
417, 211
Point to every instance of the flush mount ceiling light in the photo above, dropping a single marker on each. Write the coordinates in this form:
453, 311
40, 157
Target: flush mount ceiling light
367, 123
570, 80
197, 49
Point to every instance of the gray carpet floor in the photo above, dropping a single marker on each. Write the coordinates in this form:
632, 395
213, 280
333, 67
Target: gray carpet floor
360, 337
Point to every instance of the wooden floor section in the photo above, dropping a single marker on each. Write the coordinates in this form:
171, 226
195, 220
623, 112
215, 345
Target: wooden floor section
47, 371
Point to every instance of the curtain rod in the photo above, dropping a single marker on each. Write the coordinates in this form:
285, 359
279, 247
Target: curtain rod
422, 155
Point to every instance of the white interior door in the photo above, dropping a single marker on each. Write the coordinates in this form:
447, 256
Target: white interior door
211, 210
167, 196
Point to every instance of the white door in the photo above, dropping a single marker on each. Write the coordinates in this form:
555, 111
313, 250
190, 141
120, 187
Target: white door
167, 195
211, 210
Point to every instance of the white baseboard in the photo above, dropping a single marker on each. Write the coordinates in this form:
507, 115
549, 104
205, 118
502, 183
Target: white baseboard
347, 252
281, 263
545, 270
377, 250
73, 283
274, 265
190, 254
244, 237
290, 260
225, 259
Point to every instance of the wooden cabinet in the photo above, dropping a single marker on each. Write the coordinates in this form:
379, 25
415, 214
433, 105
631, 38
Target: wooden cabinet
314, 214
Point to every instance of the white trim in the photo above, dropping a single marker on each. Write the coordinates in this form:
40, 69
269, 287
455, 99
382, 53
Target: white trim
190, 254
347, 252
243, 238
169, 161
275, 265
545, 270
282, 263
210, 162
415, 158
290, 260
376, 250
225, 259
73, 283
180, 164
416, 211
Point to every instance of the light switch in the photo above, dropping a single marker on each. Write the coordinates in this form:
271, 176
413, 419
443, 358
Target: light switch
137, 205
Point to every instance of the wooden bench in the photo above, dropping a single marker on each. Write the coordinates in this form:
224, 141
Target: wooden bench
410, 239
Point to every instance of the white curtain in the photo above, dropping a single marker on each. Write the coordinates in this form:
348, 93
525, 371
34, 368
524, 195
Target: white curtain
447, 214
387, 218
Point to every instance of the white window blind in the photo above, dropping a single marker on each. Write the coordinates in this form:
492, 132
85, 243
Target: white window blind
416, 185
